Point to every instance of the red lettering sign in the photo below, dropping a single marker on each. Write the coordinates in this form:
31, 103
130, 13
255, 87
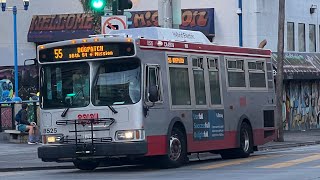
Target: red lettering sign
62, 22
87, 118
190, 18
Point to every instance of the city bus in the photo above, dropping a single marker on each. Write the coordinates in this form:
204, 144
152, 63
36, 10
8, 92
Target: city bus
152, 93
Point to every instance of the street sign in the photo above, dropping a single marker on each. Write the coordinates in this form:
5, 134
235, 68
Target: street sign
111, 23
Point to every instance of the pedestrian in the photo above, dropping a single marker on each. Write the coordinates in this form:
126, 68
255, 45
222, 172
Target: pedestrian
25, 126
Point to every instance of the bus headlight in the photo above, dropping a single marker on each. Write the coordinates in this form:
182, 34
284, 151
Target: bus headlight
51, 139
130, 135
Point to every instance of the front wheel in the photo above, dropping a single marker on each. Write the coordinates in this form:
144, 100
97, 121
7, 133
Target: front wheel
87, 165
177, 150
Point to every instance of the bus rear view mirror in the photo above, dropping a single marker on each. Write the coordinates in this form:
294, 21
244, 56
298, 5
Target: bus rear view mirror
153, 94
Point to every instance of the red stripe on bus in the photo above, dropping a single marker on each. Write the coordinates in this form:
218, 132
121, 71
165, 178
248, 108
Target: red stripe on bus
203, 47
157, 145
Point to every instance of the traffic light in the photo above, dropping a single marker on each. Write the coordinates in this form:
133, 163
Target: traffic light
98, 5
125, 4
118, 6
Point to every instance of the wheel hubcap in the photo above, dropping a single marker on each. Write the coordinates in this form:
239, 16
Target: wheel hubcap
245, 141
175, 148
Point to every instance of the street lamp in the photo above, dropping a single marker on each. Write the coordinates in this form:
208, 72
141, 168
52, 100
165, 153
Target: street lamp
15, 43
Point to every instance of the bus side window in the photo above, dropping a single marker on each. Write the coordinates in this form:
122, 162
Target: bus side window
153, 88
236, 73
214, 80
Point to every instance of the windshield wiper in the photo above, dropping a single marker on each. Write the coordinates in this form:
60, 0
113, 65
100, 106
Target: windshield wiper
112, 109
65, 112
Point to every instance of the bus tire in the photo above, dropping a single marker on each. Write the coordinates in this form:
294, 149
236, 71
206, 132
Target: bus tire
177, 150
87, 165
246, 144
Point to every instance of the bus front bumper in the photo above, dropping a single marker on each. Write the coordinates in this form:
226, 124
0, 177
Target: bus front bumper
59, 152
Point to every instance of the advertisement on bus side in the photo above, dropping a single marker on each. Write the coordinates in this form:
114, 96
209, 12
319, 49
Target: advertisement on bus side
208, 125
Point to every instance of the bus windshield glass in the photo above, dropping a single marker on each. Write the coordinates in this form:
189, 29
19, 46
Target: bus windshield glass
118, 83
65, 85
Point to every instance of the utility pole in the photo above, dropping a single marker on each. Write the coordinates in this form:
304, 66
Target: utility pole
169, 13
165, 13
279, 77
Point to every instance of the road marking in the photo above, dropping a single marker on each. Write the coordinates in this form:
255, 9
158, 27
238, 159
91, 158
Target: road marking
236, 162
293, 162
4, 174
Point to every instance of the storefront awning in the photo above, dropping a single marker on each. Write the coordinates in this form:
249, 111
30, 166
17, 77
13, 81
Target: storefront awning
300, 65
51, 28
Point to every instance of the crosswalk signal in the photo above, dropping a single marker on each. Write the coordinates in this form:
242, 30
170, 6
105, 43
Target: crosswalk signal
98, 5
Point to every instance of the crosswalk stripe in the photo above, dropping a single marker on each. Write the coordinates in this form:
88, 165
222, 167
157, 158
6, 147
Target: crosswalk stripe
5, 174
235, 162
293, 162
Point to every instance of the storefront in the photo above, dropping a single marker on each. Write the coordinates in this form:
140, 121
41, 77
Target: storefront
301, 100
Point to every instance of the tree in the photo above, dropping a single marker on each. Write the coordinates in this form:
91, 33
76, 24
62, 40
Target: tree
279, 78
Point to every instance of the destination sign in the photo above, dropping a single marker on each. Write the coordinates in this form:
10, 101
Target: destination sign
177, 60
86, 51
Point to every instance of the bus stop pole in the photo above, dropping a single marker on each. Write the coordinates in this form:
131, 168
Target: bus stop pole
0, 117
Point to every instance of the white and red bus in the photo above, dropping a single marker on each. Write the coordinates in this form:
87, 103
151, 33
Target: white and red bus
152, 92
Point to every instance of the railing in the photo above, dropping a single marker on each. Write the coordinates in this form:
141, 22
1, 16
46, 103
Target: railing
8, 111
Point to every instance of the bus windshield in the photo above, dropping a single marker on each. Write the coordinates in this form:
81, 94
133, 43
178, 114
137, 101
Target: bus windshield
65, 85
118, 83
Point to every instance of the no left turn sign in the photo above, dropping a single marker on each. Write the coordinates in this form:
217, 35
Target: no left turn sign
113, 23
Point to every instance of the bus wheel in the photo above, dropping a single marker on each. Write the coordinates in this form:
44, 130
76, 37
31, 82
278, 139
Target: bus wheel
246, 141
86, 165
246, 144
177, 150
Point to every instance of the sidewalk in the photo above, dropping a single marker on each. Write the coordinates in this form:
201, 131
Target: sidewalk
23, 157
294, 139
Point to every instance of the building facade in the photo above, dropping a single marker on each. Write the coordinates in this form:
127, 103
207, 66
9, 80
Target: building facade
230, 22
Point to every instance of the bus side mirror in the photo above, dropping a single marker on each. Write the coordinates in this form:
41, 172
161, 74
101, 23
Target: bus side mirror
30, 62
25, 74
153, 94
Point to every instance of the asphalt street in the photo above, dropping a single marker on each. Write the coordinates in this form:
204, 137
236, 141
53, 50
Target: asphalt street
299, 163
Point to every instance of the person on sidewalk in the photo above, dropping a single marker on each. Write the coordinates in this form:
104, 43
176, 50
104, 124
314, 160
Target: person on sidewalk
25, 126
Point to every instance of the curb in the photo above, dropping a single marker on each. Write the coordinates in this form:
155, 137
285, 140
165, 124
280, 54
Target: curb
289, 145
35, 168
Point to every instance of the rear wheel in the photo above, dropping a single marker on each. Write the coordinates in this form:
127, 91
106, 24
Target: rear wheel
246, 144
87, 165
177, 150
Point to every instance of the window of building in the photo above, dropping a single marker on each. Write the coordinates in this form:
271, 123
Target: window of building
302, 37
236, 73
214, 81
290, 36
257, 77
312, 38
198, 75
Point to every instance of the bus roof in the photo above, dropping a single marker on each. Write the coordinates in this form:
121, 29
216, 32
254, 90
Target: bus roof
165, 34
186, 41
